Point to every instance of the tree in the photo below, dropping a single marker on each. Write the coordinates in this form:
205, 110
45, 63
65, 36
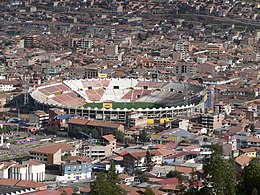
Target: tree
95, 133
149, 191
101, 185
143, 136
135, 137
221, 172
140, 175
148, 161
254, 192
112, 174
119, 136
63, 193
107, 183
75, 191
172, 174
250, 178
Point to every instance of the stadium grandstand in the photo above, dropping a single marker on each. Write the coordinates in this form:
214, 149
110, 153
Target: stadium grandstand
114, 99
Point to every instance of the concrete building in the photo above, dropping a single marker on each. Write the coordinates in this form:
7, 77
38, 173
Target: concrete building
29, 170
39, 118
30, 41
212, 121
51, 154
105, 148
75, 171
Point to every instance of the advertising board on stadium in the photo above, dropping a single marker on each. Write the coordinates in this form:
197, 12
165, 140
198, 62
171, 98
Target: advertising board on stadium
107, 105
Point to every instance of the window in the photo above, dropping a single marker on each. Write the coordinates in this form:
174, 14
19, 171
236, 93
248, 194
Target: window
145, 87
89, 87
116, 87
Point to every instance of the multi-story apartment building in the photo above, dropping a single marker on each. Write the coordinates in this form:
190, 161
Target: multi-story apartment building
212, 121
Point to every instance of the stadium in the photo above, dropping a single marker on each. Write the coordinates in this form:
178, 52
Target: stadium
114, 99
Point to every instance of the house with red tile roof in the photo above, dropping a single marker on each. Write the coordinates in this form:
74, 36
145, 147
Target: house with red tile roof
51, 154
137, 159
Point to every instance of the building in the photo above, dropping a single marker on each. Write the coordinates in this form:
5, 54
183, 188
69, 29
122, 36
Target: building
6, 86
137, 159
136, 119
91, 73
51, 154
102, 149
74, 171
29, 170
39, 118
104, 127
183, 46
212, 121
30, 41
250, 152
214, 47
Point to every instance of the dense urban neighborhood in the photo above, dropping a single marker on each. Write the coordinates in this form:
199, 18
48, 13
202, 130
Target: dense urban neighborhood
128, 97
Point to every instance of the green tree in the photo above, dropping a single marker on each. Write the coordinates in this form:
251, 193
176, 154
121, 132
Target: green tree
75, 191
119, 136
140, 175
101, 185
250, 178
148, 161
149, 191
144, 136
95, 133
107, 183
172, 174
112, 174
254, 192
221, 172
63, 193
135, 137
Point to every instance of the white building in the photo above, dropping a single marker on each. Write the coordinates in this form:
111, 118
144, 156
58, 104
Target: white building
30, 170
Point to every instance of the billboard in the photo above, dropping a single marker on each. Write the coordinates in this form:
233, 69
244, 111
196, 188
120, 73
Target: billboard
107, 105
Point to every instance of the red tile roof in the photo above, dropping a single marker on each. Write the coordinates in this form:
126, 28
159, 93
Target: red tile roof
167, 181
52, 149
22, 183
109, 137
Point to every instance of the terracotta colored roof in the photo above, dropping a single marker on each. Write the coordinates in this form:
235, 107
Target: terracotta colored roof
85, 190
246, 150
52, 149
95, 123
78, 121
45, 192
143, 154
130, 190
235, 129
19, 165
173, 181
78, 158
21, 183
109, 137
124, 176
99, 123
66, 189
184, 169
32, 162
242, 160
253, 139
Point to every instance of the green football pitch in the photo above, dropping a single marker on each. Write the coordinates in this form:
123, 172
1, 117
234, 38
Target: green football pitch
123, 105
